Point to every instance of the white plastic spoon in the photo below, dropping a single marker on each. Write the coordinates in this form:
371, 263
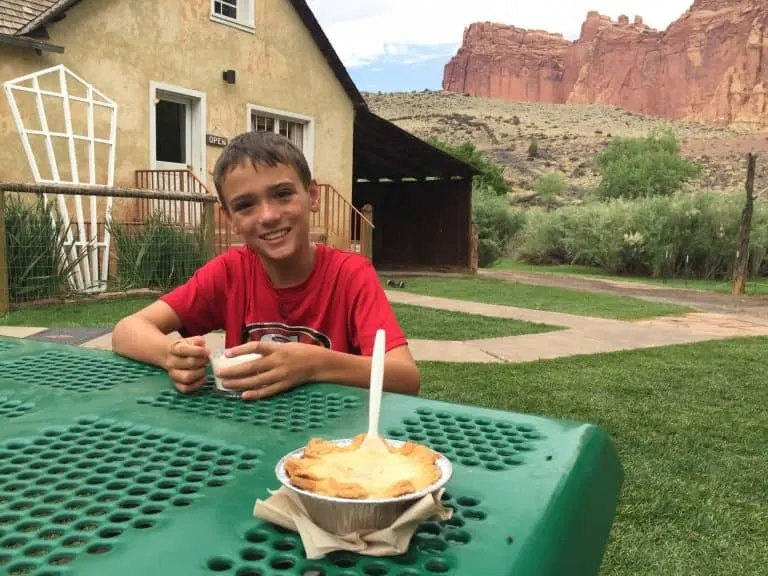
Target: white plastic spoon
372, 440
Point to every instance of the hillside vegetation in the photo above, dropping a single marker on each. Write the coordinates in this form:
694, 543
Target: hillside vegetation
567, 139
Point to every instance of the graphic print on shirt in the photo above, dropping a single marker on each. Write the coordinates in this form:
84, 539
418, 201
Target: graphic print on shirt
281, 333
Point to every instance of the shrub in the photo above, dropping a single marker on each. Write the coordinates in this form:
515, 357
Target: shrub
550, 186
156, 254
642, 167
35, 243
658, 236
496, 225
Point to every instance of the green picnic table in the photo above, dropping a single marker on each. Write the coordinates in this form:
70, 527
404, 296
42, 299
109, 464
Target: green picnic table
106, 469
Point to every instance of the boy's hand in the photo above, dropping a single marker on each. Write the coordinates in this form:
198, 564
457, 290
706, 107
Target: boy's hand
185, 363
281, 367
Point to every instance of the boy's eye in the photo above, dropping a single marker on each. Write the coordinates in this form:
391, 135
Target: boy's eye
284, 193
242, 205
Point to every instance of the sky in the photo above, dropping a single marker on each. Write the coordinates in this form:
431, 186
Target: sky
403, 45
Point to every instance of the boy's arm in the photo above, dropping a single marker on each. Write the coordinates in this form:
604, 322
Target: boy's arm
143, 335
193, 309
400, 371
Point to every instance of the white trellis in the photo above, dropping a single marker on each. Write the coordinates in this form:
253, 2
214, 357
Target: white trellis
81, 254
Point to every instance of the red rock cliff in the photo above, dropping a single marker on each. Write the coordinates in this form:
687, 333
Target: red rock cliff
710, 65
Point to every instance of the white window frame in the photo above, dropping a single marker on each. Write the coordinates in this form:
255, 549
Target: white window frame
246, 16
308, 146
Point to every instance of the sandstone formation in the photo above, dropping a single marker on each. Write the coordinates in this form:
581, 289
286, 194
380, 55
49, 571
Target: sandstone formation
710, 65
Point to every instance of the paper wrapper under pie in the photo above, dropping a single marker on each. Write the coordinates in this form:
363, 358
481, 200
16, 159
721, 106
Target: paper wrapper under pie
285, 509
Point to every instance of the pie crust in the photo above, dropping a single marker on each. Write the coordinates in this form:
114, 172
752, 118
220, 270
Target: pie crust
351, 472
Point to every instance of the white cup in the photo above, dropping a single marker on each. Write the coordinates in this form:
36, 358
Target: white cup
218, 360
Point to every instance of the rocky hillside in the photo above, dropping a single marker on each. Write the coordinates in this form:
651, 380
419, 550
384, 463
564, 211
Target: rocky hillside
568, 136
710, 65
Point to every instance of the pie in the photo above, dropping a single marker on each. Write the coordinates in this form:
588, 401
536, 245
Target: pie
356, 473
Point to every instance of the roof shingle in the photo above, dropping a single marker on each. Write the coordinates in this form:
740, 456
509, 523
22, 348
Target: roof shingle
16, 15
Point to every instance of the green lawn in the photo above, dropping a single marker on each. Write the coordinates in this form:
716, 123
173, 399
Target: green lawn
416, 321
493, 291
691, 425
754, 287
89, 313
433, 324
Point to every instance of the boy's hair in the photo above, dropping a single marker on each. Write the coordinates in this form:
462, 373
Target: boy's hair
260, 147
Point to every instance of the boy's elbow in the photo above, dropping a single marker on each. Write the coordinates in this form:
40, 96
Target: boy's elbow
412, 381
119, 334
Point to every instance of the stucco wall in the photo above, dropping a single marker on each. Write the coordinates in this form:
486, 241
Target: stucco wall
121, 46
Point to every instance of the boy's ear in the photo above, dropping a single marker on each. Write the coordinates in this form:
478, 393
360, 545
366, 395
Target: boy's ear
314, 196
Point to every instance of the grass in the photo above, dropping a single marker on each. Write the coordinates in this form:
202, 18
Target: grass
690, 426
754, 287
416, 321
91, 314
433, 324
540, 297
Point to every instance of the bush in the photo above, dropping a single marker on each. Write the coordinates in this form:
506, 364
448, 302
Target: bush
643, 167
496, 225
659, 236
156, 254
550, 186
37, 267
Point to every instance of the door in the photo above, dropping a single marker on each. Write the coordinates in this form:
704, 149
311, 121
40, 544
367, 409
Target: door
177, 146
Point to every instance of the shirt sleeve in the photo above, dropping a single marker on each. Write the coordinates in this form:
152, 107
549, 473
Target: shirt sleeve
371, 311
200, 302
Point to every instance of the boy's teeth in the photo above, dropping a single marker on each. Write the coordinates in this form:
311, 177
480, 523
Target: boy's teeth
274, 235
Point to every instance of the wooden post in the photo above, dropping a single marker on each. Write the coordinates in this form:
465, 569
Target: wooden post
741, 265
208, 222
5, 295
366, 233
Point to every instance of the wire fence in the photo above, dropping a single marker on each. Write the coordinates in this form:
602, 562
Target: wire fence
56, 241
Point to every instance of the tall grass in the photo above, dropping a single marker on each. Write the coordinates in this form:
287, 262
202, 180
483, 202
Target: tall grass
663, 236
35, 244
156, 254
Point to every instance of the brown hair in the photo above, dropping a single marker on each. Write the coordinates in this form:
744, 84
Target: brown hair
260, 148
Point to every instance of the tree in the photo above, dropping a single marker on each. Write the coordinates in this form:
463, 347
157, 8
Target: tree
491, 174
642, 167
741, 266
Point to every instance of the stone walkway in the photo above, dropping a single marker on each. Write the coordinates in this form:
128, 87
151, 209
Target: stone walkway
580, 334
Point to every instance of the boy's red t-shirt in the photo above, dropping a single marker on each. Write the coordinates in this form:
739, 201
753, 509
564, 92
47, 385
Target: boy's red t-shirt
340, 305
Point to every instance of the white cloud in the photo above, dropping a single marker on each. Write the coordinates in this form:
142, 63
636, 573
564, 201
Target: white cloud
362, 31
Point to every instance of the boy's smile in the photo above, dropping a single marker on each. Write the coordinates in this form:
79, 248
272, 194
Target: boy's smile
269, 207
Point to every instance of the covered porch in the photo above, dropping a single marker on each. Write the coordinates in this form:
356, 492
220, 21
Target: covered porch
419, 198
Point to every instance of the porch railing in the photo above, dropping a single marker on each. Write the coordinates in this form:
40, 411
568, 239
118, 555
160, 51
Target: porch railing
183, 213
337, 220
344, 225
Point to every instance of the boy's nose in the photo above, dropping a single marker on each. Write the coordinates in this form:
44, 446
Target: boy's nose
269, 213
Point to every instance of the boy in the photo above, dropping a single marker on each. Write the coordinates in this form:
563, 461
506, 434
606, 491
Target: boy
310, 310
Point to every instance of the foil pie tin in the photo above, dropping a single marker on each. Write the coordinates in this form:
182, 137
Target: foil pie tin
342, 516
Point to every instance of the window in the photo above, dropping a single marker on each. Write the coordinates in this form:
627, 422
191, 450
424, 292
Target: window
237, 13
296, 127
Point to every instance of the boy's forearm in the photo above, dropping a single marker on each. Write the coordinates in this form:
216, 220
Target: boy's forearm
353, 370
141, 340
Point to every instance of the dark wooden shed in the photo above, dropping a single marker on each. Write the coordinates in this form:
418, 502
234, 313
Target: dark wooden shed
421, 197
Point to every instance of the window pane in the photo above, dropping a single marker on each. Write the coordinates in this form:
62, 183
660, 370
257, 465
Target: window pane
292, 130
263, 123
227, 8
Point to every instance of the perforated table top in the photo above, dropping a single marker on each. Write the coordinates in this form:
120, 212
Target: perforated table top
105, 469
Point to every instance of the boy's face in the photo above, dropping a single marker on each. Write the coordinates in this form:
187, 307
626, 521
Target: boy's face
269, 207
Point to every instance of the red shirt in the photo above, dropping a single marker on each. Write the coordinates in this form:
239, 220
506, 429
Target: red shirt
340, 305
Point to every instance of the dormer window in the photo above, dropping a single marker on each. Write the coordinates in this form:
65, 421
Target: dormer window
236, 13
